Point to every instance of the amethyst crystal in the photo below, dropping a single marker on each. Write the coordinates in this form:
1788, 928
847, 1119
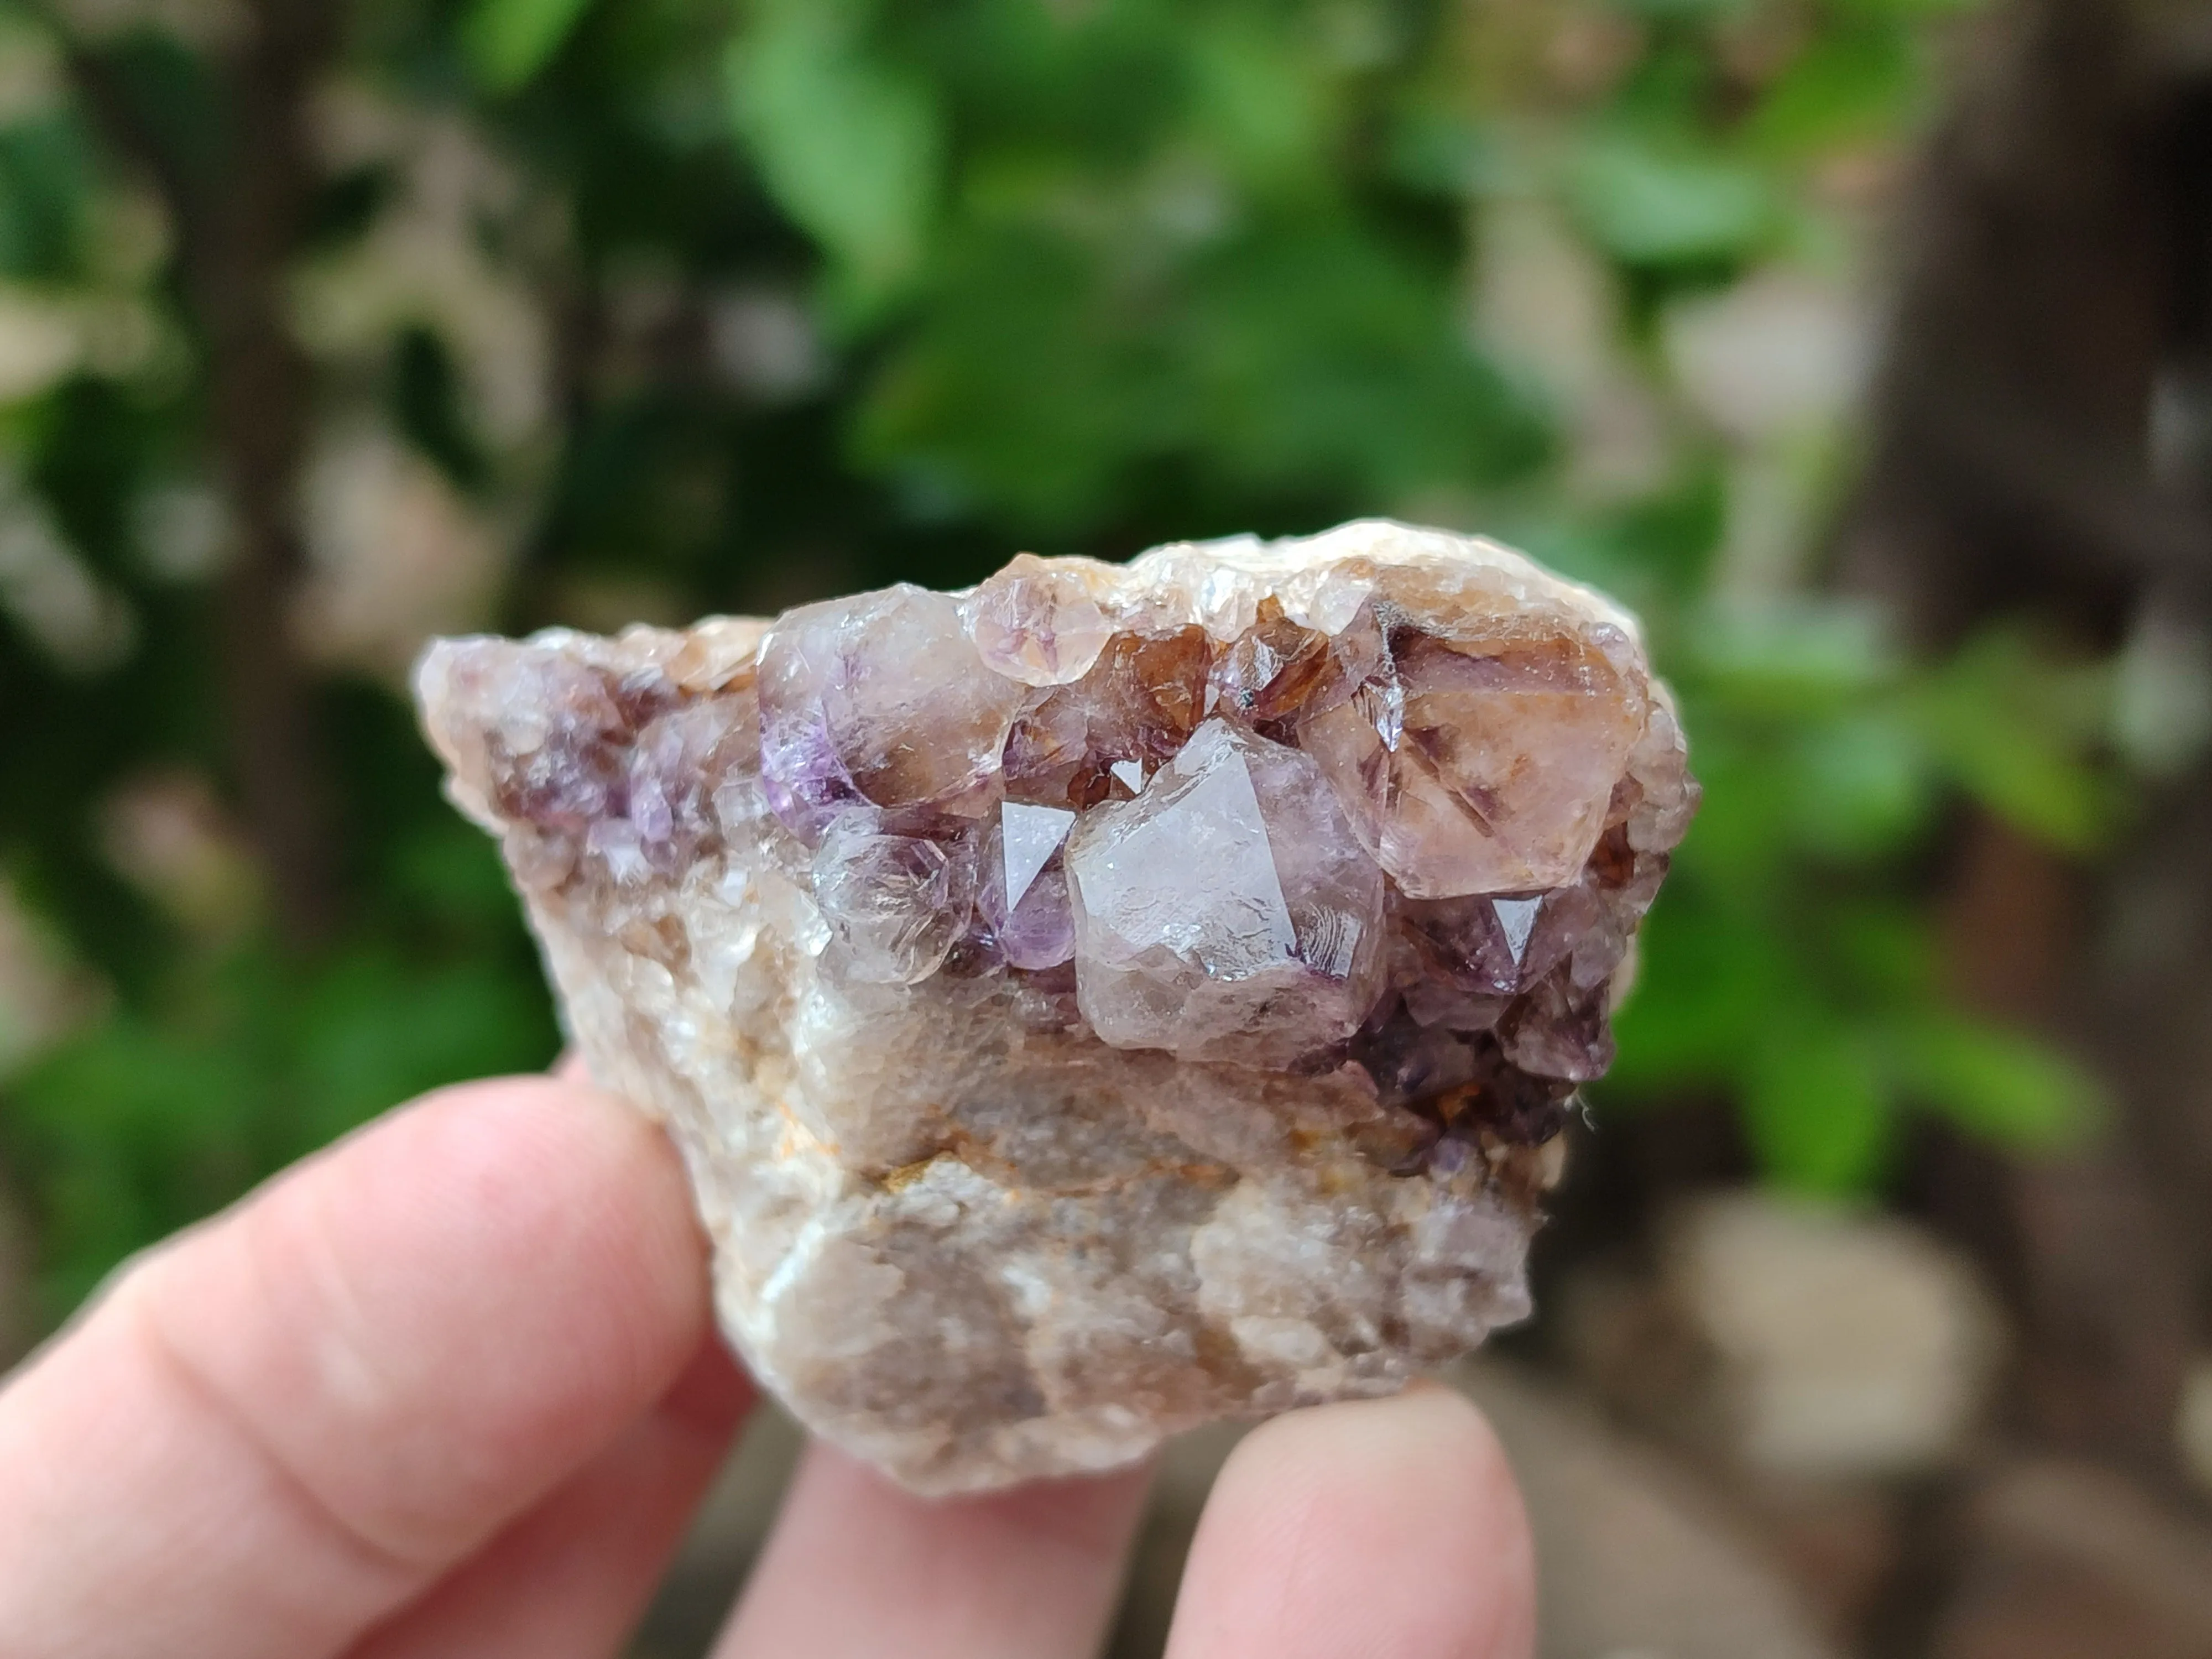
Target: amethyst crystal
1106, 999
1023, 898
882, 699
1226, 913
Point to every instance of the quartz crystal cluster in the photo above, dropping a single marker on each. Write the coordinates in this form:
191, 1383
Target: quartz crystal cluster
1108, 999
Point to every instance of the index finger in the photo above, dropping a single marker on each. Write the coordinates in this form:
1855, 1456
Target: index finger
284, 1424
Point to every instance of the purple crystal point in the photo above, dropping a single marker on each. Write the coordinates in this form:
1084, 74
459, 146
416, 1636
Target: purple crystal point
1022, 891
882, 699
804, 779
1558, 1030
677, 764
1038, 622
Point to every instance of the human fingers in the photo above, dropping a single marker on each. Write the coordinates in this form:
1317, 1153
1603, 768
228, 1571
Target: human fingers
857, 1568
1382, 1527
572, 1577
281, 1427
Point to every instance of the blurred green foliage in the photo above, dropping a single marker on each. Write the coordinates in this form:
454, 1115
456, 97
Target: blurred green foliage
656, 306
1795, 964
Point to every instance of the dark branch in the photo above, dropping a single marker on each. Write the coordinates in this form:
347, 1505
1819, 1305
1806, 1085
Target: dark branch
236, 234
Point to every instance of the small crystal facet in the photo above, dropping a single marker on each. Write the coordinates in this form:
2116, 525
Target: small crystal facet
1032, 834
1483, 766
1517, 918
1023, 898
1038, 622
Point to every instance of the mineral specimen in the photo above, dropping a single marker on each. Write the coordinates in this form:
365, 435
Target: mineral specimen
1107, 999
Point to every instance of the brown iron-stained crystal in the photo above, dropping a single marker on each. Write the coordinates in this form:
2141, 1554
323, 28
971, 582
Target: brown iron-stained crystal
1108, 1000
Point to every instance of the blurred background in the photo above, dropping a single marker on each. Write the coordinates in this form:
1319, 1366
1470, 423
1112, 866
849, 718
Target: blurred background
1864, 346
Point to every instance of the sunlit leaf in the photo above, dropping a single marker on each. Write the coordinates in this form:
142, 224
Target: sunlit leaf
1432, 149
1741, 847
1886, 945
1262, 99
1850, 86
375, 1030
1794, 658
1706, 979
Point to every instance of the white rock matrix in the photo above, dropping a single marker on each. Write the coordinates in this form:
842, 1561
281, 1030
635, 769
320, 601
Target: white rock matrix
1108, 999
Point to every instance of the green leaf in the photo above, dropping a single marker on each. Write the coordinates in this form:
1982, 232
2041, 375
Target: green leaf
2000, 1084
848, 144
1886, 947
1432, 149
451, 871
1261, 99
124, 1132
1852, 86
1705, 989
1740, 849
1820, 1111
46, 192
1317, 353
1793, 658
1653, 206
958, 402
2015, 728
508, 41
1859, 786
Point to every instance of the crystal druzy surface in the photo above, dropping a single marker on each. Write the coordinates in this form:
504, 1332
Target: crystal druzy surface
1106, 999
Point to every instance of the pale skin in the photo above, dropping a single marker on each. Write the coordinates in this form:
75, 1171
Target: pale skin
452, 1388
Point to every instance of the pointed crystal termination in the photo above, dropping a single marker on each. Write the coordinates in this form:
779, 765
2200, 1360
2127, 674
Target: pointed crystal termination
1485, 764
1039, 621
1031, 834
1107, 999
1023, 898
883, 700
1226, 913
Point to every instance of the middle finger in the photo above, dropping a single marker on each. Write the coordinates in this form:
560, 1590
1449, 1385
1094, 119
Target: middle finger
858, 1568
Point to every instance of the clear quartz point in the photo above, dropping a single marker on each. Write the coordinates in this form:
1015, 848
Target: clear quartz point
896, 903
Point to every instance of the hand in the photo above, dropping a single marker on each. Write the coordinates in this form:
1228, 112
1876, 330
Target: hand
452, 1388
